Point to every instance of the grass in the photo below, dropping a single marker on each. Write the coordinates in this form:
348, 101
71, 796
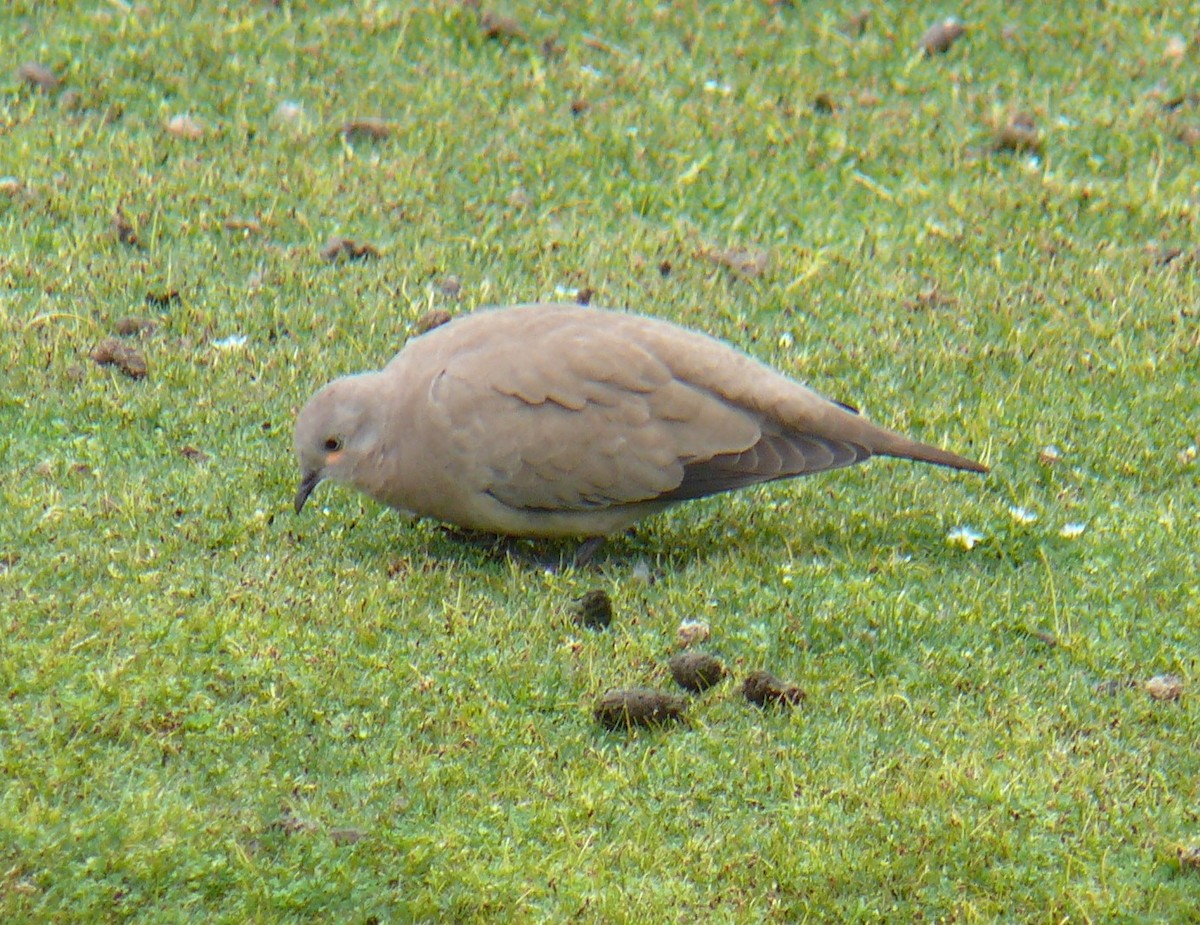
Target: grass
215, 711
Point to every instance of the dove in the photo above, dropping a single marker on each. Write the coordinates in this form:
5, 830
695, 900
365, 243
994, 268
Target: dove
563, 421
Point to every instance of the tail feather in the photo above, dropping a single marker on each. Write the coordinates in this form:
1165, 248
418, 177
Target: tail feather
905, 448
883, 442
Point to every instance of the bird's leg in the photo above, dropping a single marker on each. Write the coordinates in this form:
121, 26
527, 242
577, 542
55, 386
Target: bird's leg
587, 549
497, 546
511, 547
540, 558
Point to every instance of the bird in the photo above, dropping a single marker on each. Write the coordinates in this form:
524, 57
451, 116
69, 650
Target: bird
559, 421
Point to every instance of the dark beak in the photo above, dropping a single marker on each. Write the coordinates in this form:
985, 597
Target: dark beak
307, 484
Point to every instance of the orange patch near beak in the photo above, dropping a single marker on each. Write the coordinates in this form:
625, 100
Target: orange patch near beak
332, 458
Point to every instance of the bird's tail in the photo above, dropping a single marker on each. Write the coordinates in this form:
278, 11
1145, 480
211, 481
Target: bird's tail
898, 445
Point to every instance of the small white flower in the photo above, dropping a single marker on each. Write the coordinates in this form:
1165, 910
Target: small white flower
232, 342
588, 71
184, 126
714, 86
964, 537
1072, 530
287, 111
1049, 455
1022, 515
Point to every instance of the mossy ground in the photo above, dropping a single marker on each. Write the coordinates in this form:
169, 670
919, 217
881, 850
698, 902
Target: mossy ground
215, 711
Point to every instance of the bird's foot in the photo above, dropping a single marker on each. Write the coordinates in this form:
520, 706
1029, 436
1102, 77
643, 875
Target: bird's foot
529, 553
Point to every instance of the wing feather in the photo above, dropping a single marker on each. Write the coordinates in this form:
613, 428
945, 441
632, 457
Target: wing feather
586, 416
774, 457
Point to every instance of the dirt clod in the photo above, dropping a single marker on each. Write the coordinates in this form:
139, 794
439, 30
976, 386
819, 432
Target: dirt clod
1165, 687
369, 129
450, 285
499, 26
38, 75
337, 248
162, 300
823, 104
746, 262
765, 690
638, 706
1018, 134
1166, 254
135, 327
696, 671
941, 35
434, 318
244, 225
123, 230
290, 824
347, 836
594, 610
128, 359
691, 632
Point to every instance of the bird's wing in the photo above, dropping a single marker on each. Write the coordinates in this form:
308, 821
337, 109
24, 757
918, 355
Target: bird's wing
582, 416
774, 456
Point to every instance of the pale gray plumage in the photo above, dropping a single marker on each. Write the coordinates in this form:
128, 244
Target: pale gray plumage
557, 420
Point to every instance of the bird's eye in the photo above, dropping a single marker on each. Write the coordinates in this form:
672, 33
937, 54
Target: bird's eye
333, 444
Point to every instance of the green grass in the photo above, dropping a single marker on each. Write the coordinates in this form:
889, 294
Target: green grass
215, 711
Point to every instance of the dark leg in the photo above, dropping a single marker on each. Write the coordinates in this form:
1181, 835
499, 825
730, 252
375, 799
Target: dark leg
511, 547
587, 549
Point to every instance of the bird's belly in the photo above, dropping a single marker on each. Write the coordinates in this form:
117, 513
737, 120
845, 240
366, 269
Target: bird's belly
488, 514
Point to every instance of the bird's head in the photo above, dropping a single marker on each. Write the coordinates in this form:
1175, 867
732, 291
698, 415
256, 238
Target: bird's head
336, 432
